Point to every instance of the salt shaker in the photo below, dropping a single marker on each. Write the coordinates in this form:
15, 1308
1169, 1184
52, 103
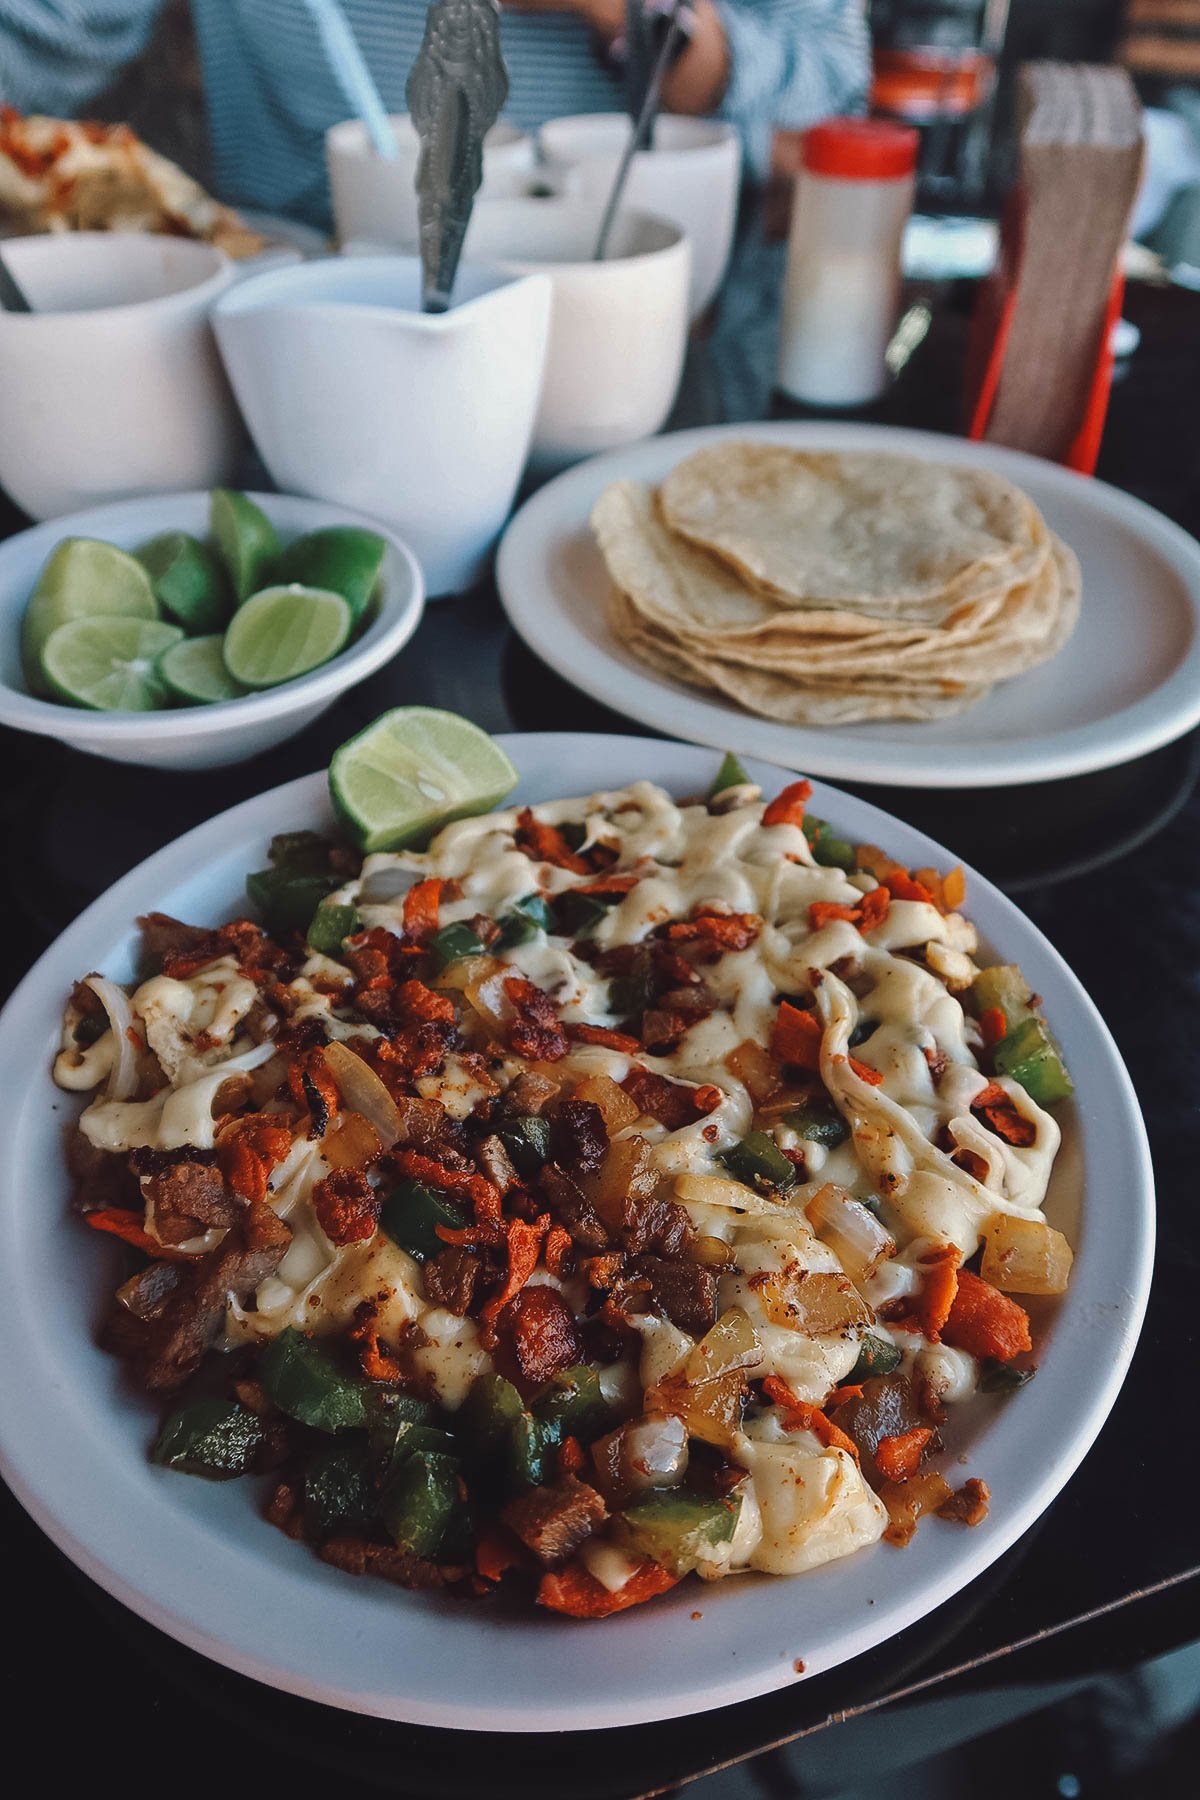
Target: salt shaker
852, 200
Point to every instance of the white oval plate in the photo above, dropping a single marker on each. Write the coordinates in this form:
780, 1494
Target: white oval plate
1128, 681
197, 1560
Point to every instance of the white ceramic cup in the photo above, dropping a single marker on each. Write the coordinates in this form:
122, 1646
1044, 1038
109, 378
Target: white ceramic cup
376, 200
618, 328
691, 177
112, 385
355, 396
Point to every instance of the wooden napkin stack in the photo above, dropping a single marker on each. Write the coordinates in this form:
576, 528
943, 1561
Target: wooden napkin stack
1045, 317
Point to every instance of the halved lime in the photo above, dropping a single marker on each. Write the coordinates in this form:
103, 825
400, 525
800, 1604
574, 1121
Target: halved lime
344, 559
246, 539
413, 771
108, 664
195, 671
82, 578
284, 632
189, 583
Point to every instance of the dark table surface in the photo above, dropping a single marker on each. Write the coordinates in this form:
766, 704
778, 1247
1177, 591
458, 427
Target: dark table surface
1105, 864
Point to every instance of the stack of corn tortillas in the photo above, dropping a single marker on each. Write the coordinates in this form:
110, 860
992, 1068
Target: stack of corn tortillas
818, 588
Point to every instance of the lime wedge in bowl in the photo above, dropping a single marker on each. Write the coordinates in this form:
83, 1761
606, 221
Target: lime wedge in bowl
246, 539
345, 559
194, 671
189, 582
108, 664
82, 578
413, 771
283, 632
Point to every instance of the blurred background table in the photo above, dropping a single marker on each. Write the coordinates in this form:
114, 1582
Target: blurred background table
1105, 864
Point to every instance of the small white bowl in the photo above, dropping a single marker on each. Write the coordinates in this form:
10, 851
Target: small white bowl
228, 731
618, 328
376, 199
691, 177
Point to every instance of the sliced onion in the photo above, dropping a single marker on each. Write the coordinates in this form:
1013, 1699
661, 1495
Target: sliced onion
851, 1230
363, 1092
123, 1077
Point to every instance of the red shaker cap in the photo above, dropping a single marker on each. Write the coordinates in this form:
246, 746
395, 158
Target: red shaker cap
861, 149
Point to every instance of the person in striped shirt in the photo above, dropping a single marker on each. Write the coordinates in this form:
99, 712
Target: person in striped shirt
271, 96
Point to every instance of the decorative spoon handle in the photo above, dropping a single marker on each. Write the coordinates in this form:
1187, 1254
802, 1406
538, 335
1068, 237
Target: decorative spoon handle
455, 91
643, 130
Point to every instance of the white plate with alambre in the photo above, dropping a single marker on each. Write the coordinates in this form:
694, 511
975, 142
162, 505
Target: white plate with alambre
1127, 681
197, 1559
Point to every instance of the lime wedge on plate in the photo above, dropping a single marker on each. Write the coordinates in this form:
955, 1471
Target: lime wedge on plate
284, 632
194, 671
413, 771
108, 664
344, 559
82, 578
189, 583
246, 538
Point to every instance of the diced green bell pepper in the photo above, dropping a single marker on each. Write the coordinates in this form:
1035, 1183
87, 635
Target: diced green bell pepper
211, 1437
394, 1415
501, 1436
417, 1501
299, 853
572, 1405
286, 901
579, 914
453, 942
330, 926
1030, 1055
676, 1529
411, 1214
831, 851
526, 1137
819, 1122
520, 926
730, 774
304, 1381
759, 1162
338, 1491
876, 1356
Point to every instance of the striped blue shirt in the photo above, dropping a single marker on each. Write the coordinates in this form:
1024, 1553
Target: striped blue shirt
271, 96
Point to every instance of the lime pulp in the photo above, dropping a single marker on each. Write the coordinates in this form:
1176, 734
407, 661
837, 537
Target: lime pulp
194, 671
414, 770
343, 559
108, 664
82, 578
284, 632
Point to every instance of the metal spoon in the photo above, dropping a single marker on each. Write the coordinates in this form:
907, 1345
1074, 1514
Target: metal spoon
643, 129
455, 91
12, 297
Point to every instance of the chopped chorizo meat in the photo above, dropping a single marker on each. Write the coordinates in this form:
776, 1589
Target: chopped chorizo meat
685, 1292
188, 1198
535, 1030
998, 1111
580, 1137
103, 1178
554, 1521
546, 843
163, 936
538, 1330
714, 932
347, 1206
529, 1093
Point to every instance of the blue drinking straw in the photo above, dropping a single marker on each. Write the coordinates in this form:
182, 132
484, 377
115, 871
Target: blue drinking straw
353, 75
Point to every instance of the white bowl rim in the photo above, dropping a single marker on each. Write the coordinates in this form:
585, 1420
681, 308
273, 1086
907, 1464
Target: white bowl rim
385, 635
233, 304
212, 285
711, 134
562, 205
350, 135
